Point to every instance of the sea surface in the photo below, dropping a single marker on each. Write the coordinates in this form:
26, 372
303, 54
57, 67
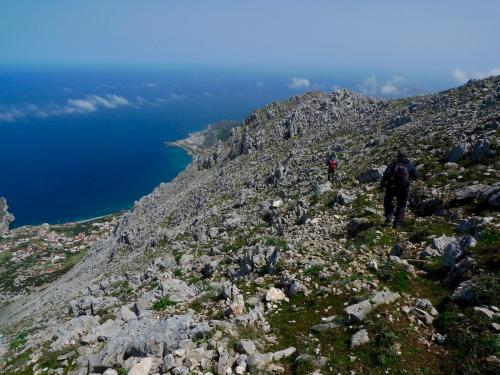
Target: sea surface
80, 142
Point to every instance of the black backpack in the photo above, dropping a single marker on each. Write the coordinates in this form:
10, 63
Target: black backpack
401, 174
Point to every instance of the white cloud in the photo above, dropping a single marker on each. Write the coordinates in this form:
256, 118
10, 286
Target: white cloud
82, 105
462, 76
92, 102
171, 98
392, 87
88, 104
259, 84
149, 84
174, 96
298, 83
389, 89
11, 115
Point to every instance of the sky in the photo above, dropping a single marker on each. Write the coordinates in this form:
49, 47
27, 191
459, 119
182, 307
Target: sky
455, 37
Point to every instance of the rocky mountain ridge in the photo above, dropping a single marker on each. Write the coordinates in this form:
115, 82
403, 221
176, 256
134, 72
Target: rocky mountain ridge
250, 261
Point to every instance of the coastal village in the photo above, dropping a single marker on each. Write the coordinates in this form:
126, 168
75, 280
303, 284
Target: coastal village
31, 256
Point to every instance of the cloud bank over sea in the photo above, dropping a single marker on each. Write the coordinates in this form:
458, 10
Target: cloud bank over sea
90, 103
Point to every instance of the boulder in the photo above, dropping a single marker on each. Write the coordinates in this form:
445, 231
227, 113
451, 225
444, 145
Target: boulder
372, 174
491, 195
176, 290
464, 293
318, 328
480, 151
258, 258
469, 225
359, 338
358, 225
425, 201
423, 315
344, 198
460, 270
440, 243
470, 192
323, 188
245, 347
275, 295
142, 367
458, 152
285, 353
359, 311
383, 297
455, 249
290, 285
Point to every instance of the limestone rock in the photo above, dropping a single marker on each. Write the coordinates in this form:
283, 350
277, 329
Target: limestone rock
371, 175
359, 338
275, 295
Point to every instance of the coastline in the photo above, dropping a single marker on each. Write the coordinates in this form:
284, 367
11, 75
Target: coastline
193, 145
199, 141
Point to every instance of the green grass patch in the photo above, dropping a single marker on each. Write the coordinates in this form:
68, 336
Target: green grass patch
278, 242
19, 340
468, 340
394, 276
162, 303
313, 271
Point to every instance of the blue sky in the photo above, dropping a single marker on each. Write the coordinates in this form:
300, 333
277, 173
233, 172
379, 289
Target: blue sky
459, 38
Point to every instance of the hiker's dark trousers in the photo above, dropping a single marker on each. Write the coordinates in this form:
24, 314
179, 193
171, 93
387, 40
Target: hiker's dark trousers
401, 194
331, 174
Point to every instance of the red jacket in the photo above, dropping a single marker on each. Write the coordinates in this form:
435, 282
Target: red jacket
332, 165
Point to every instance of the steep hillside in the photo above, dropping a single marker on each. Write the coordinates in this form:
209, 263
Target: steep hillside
249, 261
5, 217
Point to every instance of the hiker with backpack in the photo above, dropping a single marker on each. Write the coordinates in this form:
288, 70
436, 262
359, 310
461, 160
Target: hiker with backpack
396, 181
332, 166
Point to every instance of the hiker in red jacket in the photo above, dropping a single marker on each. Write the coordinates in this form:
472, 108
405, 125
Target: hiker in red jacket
332, 167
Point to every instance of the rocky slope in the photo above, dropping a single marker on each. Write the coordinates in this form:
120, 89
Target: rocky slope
249, 261
6, 218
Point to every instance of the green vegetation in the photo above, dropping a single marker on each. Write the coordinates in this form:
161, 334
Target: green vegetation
394, 276
19, 341
162, 303
468, 339
122, 290
313, 270
278, 242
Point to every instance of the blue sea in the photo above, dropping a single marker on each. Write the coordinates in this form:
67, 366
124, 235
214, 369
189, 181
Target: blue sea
80, 142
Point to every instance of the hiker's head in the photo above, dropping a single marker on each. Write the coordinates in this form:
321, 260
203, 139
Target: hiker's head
402, 155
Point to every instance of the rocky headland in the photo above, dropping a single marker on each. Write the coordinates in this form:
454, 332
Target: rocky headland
6, 218
197, 142
251, 262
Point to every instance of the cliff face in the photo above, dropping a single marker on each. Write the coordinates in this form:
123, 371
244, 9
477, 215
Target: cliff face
248, 259
5, 217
